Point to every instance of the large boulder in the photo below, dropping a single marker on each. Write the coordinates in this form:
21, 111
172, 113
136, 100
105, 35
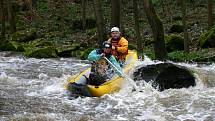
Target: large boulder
165, 76
40, 48
206, 40
24, 35
65, 51
174, 43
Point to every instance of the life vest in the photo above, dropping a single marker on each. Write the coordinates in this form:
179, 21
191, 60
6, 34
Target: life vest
121, 50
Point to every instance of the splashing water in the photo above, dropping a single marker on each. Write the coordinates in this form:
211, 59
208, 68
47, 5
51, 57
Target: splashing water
33, 89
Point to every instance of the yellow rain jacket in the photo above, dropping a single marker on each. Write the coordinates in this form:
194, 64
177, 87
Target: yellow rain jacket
121, 48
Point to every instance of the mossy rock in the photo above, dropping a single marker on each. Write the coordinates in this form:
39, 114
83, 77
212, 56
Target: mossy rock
174, 43
47, 52
207, 39
41, 42
20, 48
66, 51
176, 28
7, 46
24, 35
85, 53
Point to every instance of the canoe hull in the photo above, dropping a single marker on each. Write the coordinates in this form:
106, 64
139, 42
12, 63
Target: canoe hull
111, 86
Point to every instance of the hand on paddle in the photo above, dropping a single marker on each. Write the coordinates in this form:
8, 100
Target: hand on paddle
103, 55
113, 47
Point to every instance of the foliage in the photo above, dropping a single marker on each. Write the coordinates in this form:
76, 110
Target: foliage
24, 35
207, 39
47, 52
149, 52
176, 28
85, 53
7, 46
183, 56
132, 47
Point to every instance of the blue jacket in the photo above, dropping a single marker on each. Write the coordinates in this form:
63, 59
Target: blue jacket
95, 55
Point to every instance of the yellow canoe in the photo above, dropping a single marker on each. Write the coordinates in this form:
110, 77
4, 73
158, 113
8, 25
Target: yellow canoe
108, 87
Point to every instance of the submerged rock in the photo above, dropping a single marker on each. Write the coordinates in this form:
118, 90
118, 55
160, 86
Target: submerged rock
166, 76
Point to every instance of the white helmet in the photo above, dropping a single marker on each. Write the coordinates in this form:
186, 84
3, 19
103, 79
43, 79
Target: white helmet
115, 29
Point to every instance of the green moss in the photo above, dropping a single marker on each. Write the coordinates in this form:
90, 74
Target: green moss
41, 42
194, 56
19, 46
24, 35
47, 52
68, 51
174, 43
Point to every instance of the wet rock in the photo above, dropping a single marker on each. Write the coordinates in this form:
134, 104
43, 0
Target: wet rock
166, 76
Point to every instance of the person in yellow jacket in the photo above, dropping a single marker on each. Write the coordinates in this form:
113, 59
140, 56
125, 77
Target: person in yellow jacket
119, 45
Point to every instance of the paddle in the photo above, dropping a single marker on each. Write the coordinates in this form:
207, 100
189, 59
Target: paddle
123, 74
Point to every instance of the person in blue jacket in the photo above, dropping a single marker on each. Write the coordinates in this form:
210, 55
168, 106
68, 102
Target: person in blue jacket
101, 70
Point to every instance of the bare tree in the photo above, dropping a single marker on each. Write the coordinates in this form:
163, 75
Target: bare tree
210, 13
11, 16
31, 4
157, 29
122, 13
2, 16
83, 3
99, 21
184, 19
115, 7
137, 26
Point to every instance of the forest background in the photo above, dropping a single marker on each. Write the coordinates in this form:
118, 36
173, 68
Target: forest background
176, 30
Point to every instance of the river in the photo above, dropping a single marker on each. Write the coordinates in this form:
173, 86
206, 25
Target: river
33, 90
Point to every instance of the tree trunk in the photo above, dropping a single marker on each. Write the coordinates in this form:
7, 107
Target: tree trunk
115, 7
99, 22
34, 4
137, 27
186, 39
2, 16
29, 4
210, 13
122, 28
157, 29
83, 3
11, 16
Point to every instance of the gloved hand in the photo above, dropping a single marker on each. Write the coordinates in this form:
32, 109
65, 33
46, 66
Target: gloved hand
103, 55
113, 47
